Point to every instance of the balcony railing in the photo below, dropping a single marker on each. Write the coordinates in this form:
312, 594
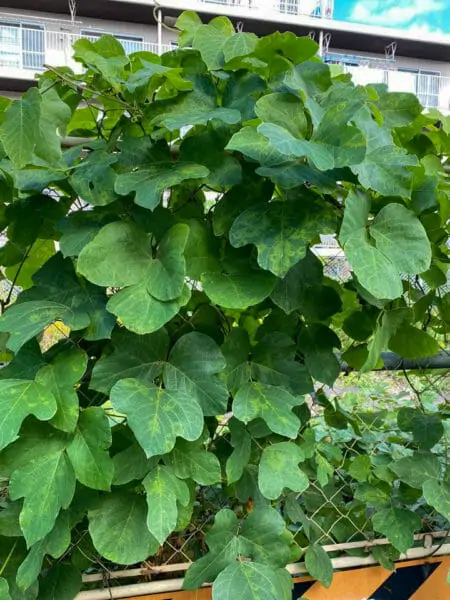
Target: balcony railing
25, 50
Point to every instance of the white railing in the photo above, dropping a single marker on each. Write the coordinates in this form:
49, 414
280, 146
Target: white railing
25, 50
432, 90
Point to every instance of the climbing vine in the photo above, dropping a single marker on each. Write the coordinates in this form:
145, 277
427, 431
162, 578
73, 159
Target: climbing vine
161, 215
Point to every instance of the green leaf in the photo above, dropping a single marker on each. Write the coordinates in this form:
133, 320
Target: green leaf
437, 495
94, 178
4, 589
149, 183
192, 369
188, 22
242, 444
360, 468
398, 109
317, 342
319, 564
164, 490
133, 356
255, 146
310, 78
238, 289
260, 537
118, 528
413, 469
385, 170
411, 342
287, 44
239, 44
153, 313
209, 40
207, 149
132, 464
284, 110
88, 451
47, 484
18, 399
250, 581
279, 469
191, 461
20, 128
272, 404
54, 118
59, 378
176, 412
398, 525
402, 238
24, 321
62, 583
281, 231
55, 544
85, 303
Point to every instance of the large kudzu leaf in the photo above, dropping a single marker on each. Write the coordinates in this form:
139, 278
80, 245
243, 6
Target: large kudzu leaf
94, 178
210, 39
270, 403
60, 378
177, 413
192, 369
242, 445
255, 146
118, 528
239, 288
398, 525
88, 450
413, 469
164, 490
4, 589
260, 537
18, 399
400, 236
85, 303
64, 582
25, 321
319, 564
285, 110
386, 171
133, 356
149, 183
437, 494
250, 580
279, 469
55, 544
153, 313
411, 342
380, 260
47, 484
122, 255
281, 231
192, 461
20, 128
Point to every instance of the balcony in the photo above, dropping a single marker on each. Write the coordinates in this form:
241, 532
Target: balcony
24, 50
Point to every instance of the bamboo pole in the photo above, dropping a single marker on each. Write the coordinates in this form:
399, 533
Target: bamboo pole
344, 562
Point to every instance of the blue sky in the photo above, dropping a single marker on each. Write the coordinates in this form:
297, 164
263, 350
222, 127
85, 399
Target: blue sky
418, 16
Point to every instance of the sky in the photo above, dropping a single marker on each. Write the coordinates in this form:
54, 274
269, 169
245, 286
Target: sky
416, 16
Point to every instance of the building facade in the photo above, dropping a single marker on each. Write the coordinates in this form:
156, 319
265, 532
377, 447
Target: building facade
34, 33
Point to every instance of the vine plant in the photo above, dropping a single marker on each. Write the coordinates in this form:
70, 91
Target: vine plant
172, 243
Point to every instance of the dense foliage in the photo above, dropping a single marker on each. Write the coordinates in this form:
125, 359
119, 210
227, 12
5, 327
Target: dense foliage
171, 245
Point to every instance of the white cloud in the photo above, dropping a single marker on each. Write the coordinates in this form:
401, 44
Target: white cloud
424, 28
394, 12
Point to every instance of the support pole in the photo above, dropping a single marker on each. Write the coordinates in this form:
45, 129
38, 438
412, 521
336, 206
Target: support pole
159, 30
321, 44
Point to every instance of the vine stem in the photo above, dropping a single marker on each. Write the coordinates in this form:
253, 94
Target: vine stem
16, 276
8, 558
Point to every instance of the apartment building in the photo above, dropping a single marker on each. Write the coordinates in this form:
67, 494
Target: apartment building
34, 33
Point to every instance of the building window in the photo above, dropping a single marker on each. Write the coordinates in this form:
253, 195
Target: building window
289, 7
425, 84
22, 45
130, 43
